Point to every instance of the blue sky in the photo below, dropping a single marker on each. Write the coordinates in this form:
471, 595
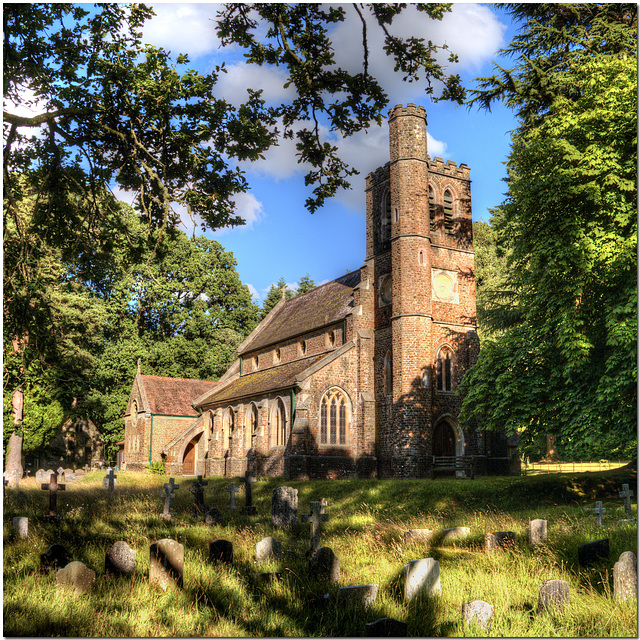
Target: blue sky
281, 239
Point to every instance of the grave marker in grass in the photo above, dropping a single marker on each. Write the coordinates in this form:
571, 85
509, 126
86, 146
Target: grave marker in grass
53, 487
232, 489
197, 489
169, 494
316, 518
284, 507
248, 509
598, 512
109, 481
626, 493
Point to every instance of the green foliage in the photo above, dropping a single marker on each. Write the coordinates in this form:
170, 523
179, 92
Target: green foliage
42, 420
156, 467
306, 283
275, 295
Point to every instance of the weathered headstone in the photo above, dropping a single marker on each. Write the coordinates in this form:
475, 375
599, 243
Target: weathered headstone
418, 535
249, 508
221, 551
55, 557
499, 540
213, 517
120, 559
76, 577
61, 477
197, 489
598, 512
537, 531
455, 533
68, 472
421, 578
21, 526
625, 577
316, 517
363, 595
232, 489
169, 494
166, 563
477, 611
41, 476
626, 493
284, 507
591, 552
53, 487
268, 549
325, 565
385, 628
553, 593
109, 481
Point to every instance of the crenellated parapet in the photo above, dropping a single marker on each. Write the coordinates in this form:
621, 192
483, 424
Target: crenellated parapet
410, 110
448, 168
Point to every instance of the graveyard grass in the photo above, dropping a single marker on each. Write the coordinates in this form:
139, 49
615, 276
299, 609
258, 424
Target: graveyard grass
367, 521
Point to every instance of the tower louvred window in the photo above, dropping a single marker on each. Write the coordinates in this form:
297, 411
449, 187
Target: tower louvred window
444, 370
448, 210
432, 206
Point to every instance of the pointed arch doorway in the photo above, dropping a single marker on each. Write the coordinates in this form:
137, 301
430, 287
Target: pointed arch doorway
444, 439
189, 458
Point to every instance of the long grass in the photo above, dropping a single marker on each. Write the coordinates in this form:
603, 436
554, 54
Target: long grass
367, 521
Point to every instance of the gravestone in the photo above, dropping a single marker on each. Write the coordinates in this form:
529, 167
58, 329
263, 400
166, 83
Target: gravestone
363, 595
21, 526
552, 593
421, 578
625, 577
537, 531
249, 508
53, 487
316, 518
61, 477
477, 611
221, 551
626, 493
41, 476
499, 540
455, 533
213, 517
232, 489
598, 512
166, 563
591, 552
76, 577
109, 481
325, 565
268, 549
55, 557
197, 489
169, 494
68, 472
385, 628
418, 535
284, 507
120, 559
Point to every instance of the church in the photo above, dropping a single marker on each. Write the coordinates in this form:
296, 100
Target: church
357, 377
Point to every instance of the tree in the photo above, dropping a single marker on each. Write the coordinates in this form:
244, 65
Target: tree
565, 362
275, 294
306, 283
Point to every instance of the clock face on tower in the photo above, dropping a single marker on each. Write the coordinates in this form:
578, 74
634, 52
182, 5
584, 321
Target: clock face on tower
444, 286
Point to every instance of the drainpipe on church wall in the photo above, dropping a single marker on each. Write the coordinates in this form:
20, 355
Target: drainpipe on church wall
151, 440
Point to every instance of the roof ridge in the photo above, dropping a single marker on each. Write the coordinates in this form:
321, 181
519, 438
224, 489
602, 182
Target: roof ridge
143, 375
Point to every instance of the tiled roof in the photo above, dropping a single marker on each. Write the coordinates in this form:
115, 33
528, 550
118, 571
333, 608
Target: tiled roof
281, 377
319, 307
173, 396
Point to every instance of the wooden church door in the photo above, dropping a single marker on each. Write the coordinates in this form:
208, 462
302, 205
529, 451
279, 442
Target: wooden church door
189, 460
444, 440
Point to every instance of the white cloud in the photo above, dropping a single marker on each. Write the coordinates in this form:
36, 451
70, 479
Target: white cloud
254, 292
249, 208
233, 85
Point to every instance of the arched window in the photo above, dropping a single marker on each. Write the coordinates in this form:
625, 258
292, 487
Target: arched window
444, 369
424, 378
228, 426
278, 425
385, 216
251, 427
448, 209
388, 374
432, 207
334, 418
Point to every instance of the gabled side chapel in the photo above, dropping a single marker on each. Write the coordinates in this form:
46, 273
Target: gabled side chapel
359, 376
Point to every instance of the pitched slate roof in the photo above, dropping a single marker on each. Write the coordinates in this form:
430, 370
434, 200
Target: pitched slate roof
173, 396
280, 377
324, 305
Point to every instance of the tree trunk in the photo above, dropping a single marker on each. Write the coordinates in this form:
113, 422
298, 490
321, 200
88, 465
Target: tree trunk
14, 448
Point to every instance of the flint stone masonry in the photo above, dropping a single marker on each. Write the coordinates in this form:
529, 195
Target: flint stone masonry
591, 552
55, 557
268, 550
221, 551
325, 565
421, 578
76, 577
120, 559
166, 563
213, 517
625, 577
537, 531
477, 611
418, 535
385, 628
284, 507
455, 533
553, 593
21, 526
363, 595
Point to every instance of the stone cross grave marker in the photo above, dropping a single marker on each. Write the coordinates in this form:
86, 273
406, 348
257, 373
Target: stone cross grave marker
53, 487
248, 509
626, 493
60, 471
169, 494
598, 511
232, 489
316, 518
197, 488
110, 479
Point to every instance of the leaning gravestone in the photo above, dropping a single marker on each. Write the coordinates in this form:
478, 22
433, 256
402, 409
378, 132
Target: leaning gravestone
76, 577
591, 552
421, 578
213, 517
166, 563
477, 611
284, 507
268, 549
55, 557
363, 595
537, 531
385, 628
221, 551
552, 593
625, 577
21, 526
120, 559
325, 565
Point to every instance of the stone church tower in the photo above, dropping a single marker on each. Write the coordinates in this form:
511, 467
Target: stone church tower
420, 252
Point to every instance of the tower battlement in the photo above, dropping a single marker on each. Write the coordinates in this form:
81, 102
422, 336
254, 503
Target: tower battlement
448, 168
410, 110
